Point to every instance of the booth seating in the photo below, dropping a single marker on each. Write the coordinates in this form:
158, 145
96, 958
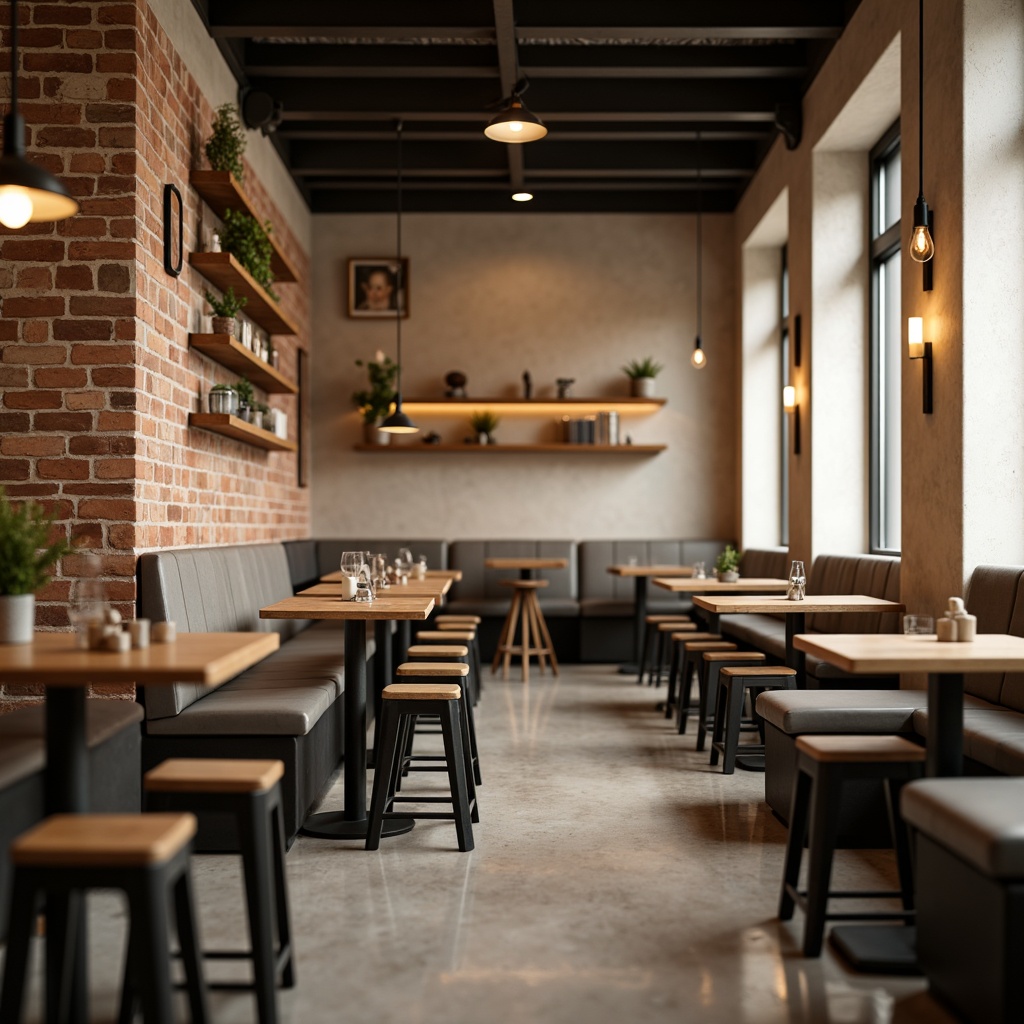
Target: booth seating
287, 707
308, 560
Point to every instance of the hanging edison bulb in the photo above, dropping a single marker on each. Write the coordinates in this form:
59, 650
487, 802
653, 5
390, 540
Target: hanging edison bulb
922, 246
698, 360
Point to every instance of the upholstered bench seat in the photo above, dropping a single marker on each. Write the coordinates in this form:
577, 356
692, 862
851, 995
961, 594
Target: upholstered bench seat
993, 736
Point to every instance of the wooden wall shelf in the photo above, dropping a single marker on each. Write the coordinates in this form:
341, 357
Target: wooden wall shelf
230, 352
626, 406
512, 449
221, 190
224, 271
239, 430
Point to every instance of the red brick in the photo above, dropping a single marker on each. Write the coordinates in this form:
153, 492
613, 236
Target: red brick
13, 377
123, 445
84, 400
35, 354
40, 305
118, 138
61, 377
122, 89
36, 250
106, 508
39, 38
77, 278
119, 39
82, 330
63, 469
122, 399
96, 305
55, 590
33, 490
116, 421
101, 355
114, 469
113, 278
83, 227
16, 422
114, 377
63, 421
33, 399
101, 251
124, 330
64, 63
51, 113
61, 14
66, 138
88, 535
35, 278
24, 444
124, 163
14, 469
109, 113
87, 163
55, 615
115, 63
85, 39
114, 184
35, 332
116, 14
8, 328
121, 535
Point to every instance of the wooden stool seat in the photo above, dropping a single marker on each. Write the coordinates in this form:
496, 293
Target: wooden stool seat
445, 636
212, 775
681, 617
709, 645
733, 656
734, 683
456, 627
450, 669
760, 670
686, 637
676, 626
709, 669
103, 840
854, 749
524, 584
437, 651
422, 691
442, 620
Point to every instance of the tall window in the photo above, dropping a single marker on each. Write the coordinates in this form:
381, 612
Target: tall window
784, 432
885, 343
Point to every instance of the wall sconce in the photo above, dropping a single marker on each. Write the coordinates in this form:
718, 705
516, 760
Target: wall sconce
790, 405
918, 348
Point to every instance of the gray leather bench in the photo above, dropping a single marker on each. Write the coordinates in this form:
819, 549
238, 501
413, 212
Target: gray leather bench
285, 707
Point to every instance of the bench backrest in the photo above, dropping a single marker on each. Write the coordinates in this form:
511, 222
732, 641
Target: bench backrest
211, 590
995, 594
765, 563
874, 575
480, 583
596, 555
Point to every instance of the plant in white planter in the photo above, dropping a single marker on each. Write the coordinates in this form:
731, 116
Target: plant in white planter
246, 400
727, 565
27, 554
483, 424
374, 402
641, 373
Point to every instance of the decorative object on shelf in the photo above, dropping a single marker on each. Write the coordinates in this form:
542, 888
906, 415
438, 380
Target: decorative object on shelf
398, 422
456, 382
223, 399
727, 565
527, 385
173, 230
641, 373
698, 360
29, 552
564, 386
214, 242
514, 123
374, 403
246, 401
432, 438
378, 287
249, 242
225, 146
225, 310
264, 416
27, 192
922, 247
483, 424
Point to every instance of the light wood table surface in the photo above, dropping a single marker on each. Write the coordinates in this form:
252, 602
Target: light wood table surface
351, 823
435, 588
640, 574
796, 613
744, 585
455, 575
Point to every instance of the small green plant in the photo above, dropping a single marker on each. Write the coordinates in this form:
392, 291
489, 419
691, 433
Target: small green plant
728, 560
227, 305
637, 368
249, 242
375, 401
226, 145
27, 550
484, 422
245, 394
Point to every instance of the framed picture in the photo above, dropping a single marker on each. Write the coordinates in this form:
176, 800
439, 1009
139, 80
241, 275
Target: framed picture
173, 253
376, 289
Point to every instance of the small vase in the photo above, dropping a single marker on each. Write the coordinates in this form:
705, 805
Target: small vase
17, 618
483, 438
643, 387
729, 576
224, 325
372, 434
223, 402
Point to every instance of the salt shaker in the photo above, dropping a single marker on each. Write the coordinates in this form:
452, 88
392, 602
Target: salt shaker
966, 625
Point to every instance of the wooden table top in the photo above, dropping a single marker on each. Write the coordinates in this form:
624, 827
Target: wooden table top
888, 653
53, 659
729, 604
329, 607
526, 563
439, 582
453, 574
414, 588
650, 570
744, 585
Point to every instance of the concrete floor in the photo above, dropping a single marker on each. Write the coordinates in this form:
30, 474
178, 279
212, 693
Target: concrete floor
616, 878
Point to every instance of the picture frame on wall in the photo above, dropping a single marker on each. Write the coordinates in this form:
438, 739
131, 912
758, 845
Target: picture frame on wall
376, 290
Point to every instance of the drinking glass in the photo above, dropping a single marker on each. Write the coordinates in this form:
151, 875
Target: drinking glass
699, 571
797, 582
364, 584
351, 561
918, 625
379, 572
87, 606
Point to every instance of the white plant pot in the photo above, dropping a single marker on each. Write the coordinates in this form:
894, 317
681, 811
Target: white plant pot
643, 387
729, 577
372, 434
17, 618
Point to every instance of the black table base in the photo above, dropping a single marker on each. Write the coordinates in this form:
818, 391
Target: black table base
334, 825
877, 949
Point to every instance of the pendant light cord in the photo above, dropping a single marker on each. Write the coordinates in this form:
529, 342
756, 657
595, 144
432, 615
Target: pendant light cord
398, 277
700, 248
920, 98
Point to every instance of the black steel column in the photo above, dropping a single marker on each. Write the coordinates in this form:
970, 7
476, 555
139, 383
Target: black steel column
796, 622
945, 724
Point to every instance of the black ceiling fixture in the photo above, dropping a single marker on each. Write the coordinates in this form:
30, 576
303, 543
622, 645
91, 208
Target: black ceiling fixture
260, 110
623, 89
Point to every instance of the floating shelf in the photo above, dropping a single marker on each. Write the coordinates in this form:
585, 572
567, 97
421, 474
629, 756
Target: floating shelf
534, 406
239, 430
230, 352
221, 191
224, 271
512, 449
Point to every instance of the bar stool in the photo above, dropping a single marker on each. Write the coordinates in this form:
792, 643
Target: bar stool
250, 792
146, 856
732, 693
401, 703
449, 634
824, 765
446, 619
525, 611
650, 633
677, 640
689, 662
663, 634
707, 684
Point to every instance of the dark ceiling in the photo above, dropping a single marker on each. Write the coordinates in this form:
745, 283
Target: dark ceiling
623, 87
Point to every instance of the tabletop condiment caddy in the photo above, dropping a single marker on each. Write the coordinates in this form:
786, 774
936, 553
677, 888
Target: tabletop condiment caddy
956, 626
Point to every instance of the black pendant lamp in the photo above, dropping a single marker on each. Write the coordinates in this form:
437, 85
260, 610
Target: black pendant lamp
515, 123
922, 247
698, 359
398, 422
27, 192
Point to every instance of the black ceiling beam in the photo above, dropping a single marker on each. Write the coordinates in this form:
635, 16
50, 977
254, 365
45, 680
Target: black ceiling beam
330, 132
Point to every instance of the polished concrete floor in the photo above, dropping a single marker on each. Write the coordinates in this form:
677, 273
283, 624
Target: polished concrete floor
616, 878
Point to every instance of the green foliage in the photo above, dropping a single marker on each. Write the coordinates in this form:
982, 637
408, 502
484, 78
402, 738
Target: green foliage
227, 305
249, 242
637, 368
261, 407
226, 145
223, 387
375, 401
728, 560
244, 390
484, 422
27, 553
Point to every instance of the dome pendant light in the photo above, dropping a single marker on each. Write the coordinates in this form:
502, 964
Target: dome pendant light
922, 247
398, 422
27, 192
698, 360
515, 123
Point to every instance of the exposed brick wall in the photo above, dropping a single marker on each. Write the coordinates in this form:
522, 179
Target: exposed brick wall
96, 377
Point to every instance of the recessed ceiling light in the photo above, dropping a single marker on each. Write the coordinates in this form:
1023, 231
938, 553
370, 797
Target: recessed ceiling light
522, 197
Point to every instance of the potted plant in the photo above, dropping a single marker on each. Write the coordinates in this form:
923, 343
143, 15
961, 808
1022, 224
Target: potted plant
246, 401
727, 565
225, 310
223, 399
264, 416
249, 242
374, 402
641, 373
27, 554
225, 146
484, 423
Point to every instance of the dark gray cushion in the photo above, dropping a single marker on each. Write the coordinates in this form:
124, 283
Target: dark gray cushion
874, 575
20, 757
104, 718
764, 632
841, 711
598, 608
302, 564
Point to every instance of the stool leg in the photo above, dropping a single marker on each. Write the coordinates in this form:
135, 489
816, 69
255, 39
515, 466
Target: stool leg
548, 645
507, 632
284, 921
475, 643
129, 997
707, 699
734, 694
795, 843
826, 802
151, 953
469, 737
65, 978
534, 608
514, 613
644, 647
259, 887
685, 686
718, 728
21, 924
900, 842
188, 940
471, 764
525, 616
383, 774
451, 731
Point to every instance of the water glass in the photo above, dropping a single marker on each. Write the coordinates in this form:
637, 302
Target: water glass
918, 625
699, 571
797, 582
351, 561
87, 606
364, 584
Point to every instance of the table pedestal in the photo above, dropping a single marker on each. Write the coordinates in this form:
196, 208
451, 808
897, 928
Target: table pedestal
639, 625
877, 949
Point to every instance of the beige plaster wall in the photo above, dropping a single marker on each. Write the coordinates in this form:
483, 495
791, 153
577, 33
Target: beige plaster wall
560, 295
